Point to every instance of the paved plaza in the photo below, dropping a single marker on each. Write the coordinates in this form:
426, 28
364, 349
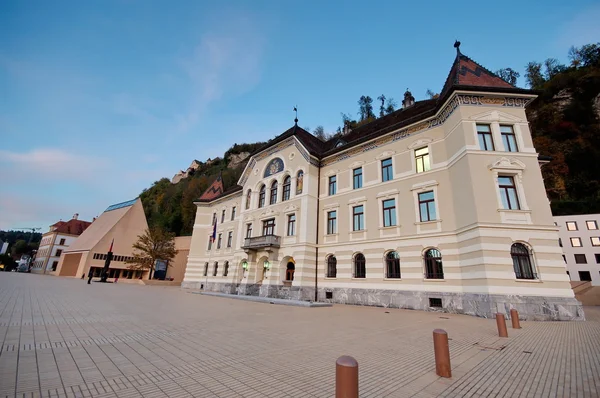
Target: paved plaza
62, 337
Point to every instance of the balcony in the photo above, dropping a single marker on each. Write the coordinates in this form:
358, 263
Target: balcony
261, 242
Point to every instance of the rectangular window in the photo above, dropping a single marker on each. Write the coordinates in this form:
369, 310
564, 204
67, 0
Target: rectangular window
580, 259
389, 212
62, 241
585, 276
358, 216
597, 255
508, 193
205, 269
387, 170
216, 269
422, 159
229, 238
214, 219
591, 225
54, 265
222, 216
269, 227
357, 178
560, 242
564, 258
571, 225
248, 230
595, 240
332, 185
58, 252
508, 138
219, 241
576, 242
331, 222
291, 229
484, 135
427, 206
233, 213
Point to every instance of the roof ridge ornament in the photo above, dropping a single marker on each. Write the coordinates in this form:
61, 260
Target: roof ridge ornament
296, 119
457, 46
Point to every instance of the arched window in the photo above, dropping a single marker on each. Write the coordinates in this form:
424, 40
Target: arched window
261, 196
433, 264
248, 198
287, 186
299, 182
522, 263
273, 198
392, 265
331, 266
360, 266
289, 272
216, 268
225, 268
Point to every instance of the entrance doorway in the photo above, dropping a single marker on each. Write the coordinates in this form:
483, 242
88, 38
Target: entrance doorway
289, 272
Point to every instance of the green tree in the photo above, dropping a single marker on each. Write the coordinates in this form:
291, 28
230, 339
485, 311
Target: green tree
154, 244
508, 75
390, 106
553, 67
382, 106
365, 105
533, 75
320, 133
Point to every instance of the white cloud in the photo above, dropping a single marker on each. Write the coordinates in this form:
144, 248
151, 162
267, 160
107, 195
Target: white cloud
226, 62
54, 163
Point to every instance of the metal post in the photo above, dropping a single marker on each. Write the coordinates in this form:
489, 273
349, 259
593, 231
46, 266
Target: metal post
442, 353
501, 323
514, 318
346, 377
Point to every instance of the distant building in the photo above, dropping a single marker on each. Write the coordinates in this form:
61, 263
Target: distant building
123, 222
3, 247
580, 241
60, 236
185, 174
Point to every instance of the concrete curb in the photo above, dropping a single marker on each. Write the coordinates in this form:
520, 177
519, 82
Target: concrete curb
269, 300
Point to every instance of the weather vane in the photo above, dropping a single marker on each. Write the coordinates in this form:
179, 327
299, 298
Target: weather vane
296, 110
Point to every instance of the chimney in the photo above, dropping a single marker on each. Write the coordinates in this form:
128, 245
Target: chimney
75, 216
408, 100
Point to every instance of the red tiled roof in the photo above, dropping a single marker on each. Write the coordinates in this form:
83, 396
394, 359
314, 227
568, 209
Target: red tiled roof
72, 227
215, 189
466, 72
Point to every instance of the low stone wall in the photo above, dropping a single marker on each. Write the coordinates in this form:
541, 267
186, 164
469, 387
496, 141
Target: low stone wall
530, 308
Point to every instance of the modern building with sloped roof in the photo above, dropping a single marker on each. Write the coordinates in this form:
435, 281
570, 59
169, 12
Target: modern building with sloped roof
121, 222
438, 206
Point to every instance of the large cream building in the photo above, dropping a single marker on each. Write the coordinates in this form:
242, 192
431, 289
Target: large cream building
438, 206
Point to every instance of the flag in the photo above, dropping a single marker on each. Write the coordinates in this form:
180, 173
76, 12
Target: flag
214, 234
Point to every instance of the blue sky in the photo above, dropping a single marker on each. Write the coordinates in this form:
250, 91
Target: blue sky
98, 99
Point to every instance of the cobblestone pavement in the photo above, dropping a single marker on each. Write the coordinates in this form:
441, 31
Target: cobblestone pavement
62, 337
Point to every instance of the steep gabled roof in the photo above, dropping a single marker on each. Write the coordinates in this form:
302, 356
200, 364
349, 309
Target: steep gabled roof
312, 144
215, 190
72, 227
466, 72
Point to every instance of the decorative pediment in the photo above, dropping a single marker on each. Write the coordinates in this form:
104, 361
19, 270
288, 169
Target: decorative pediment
356, 164
387, 194
290, 208
331, 206
496, 116
269, 213
331, 172
424, 185
507, 164
357, 200
249, 218
420, 142
385, 154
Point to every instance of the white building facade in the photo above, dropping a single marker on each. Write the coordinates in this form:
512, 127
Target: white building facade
437, 206
580, 240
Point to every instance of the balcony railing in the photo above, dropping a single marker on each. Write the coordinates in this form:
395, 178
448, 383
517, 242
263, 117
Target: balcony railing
259, 242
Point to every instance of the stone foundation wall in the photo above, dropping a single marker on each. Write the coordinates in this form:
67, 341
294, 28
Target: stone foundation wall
530, 308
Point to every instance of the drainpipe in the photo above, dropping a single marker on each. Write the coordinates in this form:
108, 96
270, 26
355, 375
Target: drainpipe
317, 235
